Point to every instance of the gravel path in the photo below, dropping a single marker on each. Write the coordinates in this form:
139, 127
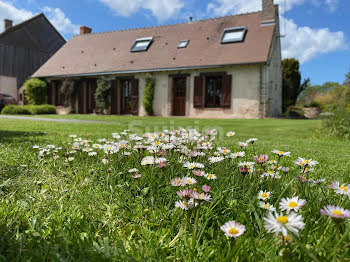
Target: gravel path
57, 120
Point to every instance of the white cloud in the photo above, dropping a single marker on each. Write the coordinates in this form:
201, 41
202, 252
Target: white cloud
305, 43
56, 16
60, 21
10, 12
225, 7
161, 9
332, 5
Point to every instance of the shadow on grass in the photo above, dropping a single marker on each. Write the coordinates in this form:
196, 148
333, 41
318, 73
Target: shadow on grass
11, 136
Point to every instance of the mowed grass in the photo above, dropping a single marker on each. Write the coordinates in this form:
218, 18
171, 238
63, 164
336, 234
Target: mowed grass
85, 211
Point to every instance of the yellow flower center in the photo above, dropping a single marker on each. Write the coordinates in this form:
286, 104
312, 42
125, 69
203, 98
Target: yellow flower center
270, 172
307, 162
343, 188
266, 205
306, 169
195, 189
178, 181
293, 204
282, 219
264, 195
287, 238
189, 181
337, 212
233, 231
280, 152
210, 176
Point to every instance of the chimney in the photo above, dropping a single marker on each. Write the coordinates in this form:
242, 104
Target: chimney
190, 19
7, 24
85, 30
268, 14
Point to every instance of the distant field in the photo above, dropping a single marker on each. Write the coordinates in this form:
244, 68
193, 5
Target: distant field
82, 209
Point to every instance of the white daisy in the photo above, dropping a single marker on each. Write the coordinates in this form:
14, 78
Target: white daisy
233, 229
230, 133
147, 160
251, 140
263, 195
133, 170
177, 182
215, 159
291, 204
277, 223
188, 181
242, 144
266, 206
335, 212
305, 162
340, 189
92, 153
210, 176
280, 152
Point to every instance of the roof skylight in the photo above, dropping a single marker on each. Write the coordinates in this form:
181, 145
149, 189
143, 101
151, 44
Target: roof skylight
141, 44
234, 34
183, 44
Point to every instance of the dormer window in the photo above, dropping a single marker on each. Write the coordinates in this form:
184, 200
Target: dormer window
142, 44
183, 44
234, 34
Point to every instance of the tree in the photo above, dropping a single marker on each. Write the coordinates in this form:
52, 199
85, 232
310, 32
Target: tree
103, 95
148, 96
347, 79
291, 82
35, 91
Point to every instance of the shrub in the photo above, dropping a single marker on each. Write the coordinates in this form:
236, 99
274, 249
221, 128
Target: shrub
42, 109
35, 91
337, 123
28, 110
15, 110
294, 112
148, 96
103, 95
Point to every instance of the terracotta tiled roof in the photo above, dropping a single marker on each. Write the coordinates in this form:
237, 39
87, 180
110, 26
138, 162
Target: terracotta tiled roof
110, 52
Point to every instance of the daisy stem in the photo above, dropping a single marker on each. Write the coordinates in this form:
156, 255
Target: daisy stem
336, 242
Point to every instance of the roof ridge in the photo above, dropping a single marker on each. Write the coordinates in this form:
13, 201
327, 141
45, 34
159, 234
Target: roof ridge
168, 25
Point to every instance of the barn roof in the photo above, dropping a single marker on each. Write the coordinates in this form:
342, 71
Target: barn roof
110, 52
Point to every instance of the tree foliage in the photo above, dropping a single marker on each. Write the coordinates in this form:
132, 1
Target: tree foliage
148, 96
347, 79
103, 95
35, 91
292, 85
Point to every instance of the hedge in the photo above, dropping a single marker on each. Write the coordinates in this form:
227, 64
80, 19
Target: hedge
28, 110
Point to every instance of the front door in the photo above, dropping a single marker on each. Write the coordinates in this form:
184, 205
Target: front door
126, 96
179, 96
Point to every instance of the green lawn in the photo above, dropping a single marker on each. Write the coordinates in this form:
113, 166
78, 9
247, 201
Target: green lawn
84, 210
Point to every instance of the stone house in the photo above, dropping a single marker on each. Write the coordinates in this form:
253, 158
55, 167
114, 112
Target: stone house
226, 67
23, 49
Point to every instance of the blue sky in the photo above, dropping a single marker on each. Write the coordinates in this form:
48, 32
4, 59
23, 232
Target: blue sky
317, 31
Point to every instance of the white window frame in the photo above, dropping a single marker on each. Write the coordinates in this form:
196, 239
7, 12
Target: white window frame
234, 29
149, 40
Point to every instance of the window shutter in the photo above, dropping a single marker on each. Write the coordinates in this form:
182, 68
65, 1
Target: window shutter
226, 91
198, 92
135, 97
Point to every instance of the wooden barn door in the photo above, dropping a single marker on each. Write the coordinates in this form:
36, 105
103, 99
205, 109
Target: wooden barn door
179, 96
114, 97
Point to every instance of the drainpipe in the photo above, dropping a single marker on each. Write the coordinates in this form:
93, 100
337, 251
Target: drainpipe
260, 89
267, 86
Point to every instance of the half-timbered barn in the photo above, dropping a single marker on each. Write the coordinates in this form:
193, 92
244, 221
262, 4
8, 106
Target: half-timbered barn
228, 67
24, 48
